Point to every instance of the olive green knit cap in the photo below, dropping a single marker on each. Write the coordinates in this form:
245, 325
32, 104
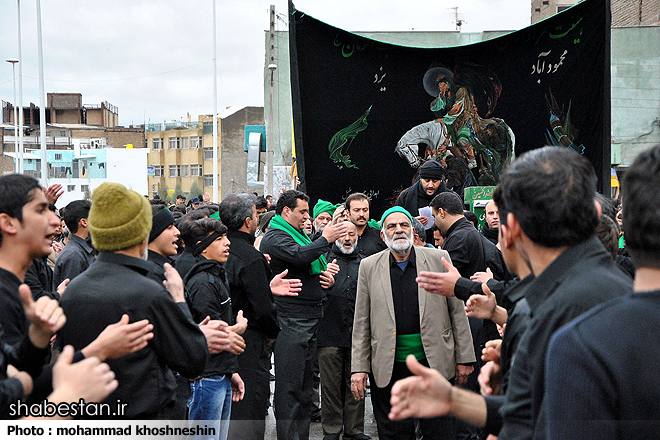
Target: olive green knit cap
119, 217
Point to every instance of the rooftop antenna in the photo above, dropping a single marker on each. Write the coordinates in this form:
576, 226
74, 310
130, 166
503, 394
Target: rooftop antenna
457, 20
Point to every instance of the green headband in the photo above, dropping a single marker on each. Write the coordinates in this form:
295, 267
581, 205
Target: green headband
392, 210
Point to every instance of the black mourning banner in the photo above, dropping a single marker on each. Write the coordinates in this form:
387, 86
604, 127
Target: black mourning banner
354, 99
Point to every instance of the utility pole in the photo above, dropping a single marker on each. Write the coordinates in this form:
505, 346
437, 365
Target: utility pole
42, 101
216, 182
270, 127
20, 93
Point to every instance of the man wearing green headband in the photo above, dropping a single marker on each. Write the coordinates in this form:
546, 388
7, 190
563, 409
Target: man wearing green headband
395, 318
298, 316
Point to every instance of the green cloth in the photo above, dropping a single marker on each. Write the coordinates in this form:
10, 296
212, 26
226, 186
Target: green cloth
409, 344
323, 206
215, 215
318, 265
374, 224
392, 210
622, 243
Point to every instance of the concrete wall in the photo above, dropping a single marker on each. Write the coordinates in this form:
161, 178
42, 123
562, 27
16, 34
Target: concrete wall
635, 91
117, 137
234, 157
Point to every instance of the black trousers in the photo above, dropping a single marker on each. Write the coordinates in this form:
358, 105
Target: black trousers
248, 416
436, 428
295, 354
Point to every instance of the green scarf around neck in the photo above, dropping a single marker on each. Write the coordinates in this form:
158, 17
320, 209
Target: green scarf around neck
318, 265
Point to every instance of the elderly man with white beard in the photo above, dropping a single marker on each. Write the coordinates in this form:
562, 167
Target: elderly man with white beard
395, 318
338, 407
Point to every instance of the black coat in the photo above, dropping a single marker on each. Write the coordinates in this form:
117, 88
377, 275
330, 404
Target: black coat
285, 253
370, 242
39, 277
208, 290
249, 278
336, 327
116, 284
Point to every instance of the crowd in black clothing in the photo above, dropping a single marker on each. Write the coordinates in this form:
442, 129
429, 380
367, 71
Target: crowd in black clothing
178, 310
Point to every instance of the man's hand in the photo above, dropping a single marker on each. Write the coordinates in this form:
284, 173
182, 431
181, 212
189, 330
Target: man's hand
333, 267
173, 283
427, 394
482, 277
358, 385
216, 333
241, 324
440, 283
235, 343
285, 287
481, 306
24, 378
326, 279
333, 232
339, 215
490, 378
88, 379
237, 388
462, 373
491, 352
53, 193
267, 257
120, 339
57, 247
45, 315
62, 287
422, 219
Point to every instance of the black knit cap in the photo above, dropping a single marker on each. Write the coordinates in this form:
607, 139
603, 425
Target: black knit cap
432, 170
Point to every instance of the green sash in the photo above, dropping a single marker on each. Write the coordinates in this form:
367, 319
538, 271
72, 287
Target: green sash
302, 239
409, 344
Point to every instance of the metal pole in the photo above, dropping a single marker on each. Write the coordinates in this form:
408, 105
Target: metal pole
270, 137
42, 101
215, 110
20, 93
13, 62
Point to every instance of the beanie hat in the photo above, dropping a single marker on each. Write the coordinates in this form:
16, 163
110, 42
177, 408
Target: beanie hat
119, 217
432, 170
392, 210
160, 222
323, 206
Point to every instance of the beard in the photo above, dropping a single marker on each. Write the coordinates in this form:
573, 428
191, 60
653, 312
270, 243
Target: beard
397, 246
340, 245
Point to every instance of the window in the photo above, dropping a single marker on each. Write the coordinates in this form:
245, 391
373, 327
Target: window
208, 180
157, 144
158, 171
175, 171
207, 128
184, 143
84, 189
196, 171
70, 188
63, 133
58, 156
175, 143
184, 171
208, 153
562, 7
195, 141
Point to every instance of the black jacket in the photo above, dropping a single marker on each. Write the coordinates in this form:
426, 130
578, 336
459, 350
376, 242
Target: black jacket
249, 278
415, 197
116, 284
75, 258
39, 277
580, 278
336, 327
157, 269
208, 290
285, 253
370, 242
466, 250
185, 261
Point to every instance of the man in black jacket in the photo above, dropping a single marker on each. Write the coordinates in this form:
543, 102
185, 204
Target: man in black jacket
295, 351
78, 253
249, 276
206, 284
431, 183
116, 284
338, 407
369, 241
492, 225
545, 199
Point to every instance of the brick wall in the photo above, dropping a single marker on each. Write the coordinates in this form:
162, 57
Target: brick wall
635, 12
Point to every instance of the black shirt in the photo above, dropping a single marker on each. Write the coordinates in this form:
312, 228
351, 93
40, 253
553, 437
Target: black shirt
12, 315
466, 250
405, 295
369, 242
74, 259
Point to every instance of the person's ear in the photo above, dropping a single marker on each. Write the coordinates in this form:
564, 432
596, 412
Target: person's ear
8, 224
82, 223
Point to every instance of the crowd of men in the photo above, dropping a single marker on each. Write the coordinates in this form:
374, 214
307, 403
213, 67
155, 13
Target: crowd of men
529, 328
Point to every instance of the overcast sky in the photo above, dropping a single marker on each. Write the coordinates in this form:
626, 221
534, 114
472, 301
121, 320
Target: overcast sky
153, 58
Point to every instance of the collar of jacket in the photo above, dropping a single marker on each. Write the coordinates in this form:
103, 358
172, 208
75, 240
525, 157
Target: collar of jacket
240, 235
136, 264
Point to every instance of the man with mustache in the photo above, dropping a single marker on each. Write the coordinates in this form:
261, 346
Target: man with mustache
357, 209
395, 318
